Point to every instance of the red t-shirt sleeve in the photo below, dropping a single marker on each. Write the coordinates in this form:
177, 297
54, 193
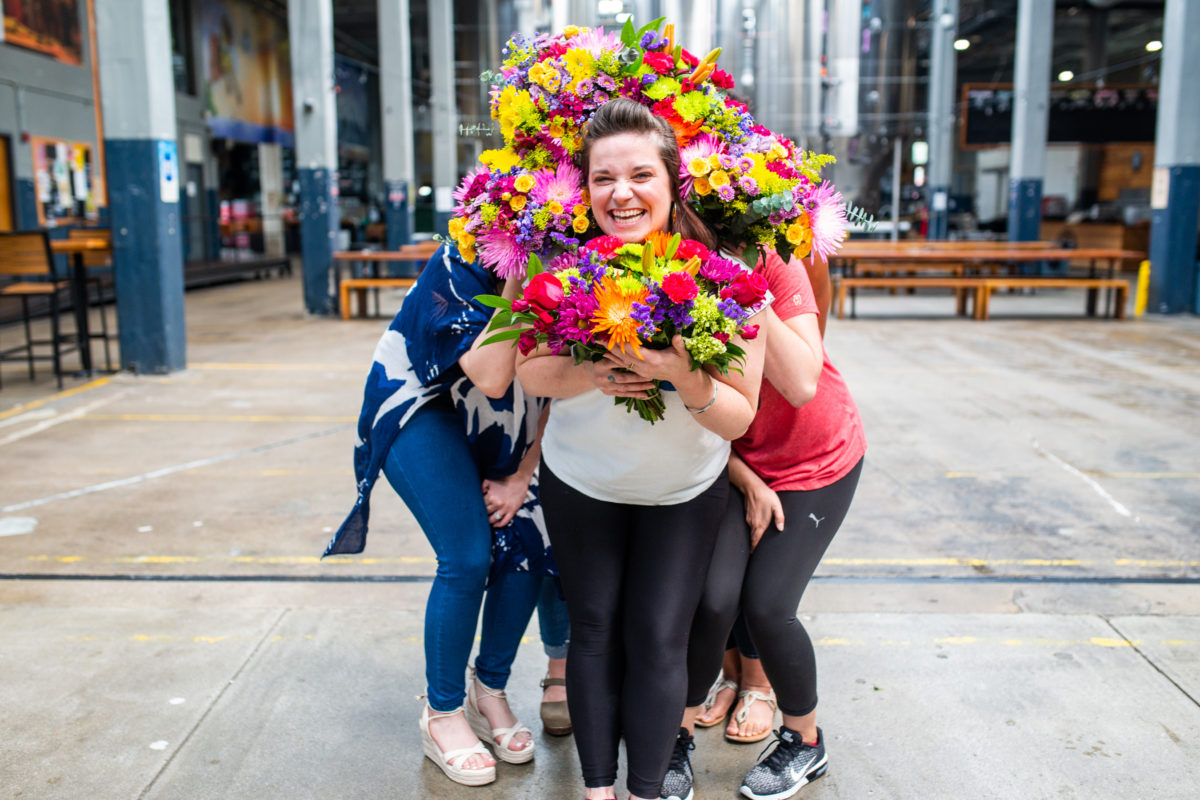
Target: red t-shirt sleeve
790, 285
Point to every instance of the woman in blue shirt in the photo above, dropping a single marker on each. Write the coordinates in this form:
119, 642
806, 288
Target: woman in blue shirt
458, 439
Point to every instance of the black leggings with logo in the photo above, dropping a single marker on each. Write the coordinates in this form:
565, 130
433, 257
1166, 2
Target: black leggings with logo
767, 585
632, 576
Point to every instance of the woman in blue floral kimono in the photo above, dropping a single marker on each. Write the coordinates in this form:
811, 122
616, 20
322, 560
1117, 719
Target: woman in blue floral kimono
458, 439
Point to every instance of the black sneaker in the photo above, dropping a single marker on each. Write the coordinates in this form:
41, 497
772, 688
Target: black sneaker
677, 783
788, 767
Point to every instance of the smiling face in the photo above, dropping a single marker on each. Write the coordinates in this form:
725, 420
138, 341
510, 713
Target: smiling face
629, 185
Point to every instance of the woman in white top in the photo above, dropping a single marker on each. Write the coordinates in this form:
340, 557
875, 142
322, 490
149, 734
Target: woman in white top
633, 508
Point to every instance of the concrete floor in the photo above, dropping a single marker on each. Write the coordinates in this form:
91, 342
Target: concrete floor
1010, 611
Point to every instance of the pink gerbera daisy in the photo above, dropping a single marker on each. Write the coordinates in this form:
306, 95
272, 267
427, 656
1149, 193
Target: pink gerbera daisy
828, 221
498, 248
562, 185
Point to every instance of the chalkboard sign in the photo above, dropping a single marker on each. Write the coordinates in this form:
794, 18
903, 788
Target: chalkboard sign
1086, 114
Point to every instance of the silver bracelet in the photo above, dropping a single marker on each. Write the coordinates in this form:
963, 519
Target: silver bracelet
698, 411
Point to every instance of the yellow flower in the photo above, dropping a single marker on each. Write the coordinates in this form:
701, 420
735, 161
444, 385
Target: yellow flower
803, 250
557, 129
455, 226
573, 30
718, 179
714, 161
698, 167
536, 72
795, 234
777, 150
803, 220
517, 203
500, 160
524, 182
555, 207
580, 224
466, 240
702, 186
579, 63
579, 210
468, 254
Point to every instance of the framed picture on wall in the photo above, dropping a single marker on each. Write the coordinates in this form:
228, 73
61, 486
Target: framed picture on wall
62, 179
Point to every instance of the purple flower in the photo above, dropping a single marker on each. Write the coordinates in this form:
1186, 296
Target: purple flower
719, 269
605, 81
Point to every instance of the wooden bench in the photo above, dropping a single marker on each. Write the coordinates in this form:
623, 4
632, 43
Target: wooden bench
1120, 286
982, 287
361, 285
962, 288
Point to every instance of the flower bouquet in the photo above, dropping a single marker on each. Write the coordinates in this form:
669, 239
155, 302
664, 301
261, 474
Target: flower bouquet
748, 183
615, 295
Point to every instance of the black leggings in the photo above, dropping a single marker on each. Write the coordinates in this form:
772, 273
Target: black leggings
632, 576
768, 583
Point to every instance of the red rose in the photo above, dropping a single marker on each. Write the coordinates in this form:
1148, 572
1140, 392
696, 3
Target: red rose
722, 337
746, 289
661, 63
520, 305
680, 287
689, 248
749, 332
605, 246
526, 342
544, 292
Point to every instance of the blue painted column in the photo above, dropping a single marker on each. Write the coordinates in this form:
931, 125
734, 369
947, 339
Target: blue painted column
1031, 119
942, 81
445, 112
395, 89
310, 35
1175, 193
138, 92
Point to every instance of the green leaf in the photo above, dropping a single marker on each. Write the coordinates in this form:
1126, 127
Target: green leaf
629, 35
750, 254
649, 26
493, 301
534, 268
502, 336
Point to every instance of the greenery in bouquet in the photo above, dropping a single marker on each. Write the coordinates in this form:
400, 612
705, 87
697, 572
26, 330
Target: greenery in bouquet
611, 295
749, 184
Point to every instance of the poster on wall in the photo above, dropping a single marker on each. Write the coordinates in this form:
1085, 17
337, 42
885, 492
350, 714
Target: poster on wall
62, 179
50, 27
244, 55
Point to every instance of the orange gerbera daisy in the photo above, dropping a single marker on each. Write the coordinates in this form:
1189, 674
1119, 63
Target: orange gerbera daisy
660, 241
614, 312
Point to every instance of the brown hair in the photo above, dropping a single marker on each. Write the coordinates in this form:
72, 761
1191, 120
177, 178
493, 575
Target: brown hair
622, 115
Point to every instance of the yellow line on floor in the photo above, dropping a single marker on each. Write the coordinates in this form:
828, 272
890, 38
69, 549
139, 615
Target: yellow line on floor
215, 418
212, 365
12, 412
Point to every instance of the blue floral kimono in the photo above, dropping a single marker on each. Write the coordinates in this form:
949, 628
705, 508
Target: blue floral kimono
416, 361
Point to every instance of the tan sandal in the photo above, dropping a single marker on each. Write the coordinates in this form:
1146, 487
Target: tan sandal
556, 718
748, 698
499, 738
451, 761
721, 685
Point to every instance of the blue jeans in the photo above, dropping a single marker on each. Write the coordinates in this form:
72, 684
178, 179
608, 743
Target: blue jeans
431, 467
553, 623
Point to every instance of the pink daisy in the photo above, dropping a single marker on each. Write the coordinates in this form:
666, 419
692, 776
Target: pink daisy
596, 41
828, 221
562, 185
498, 248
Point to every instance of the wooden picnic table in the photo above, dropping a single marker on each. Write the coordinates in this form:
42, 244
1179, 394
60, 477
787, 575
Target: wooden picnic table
418, 254
957, 258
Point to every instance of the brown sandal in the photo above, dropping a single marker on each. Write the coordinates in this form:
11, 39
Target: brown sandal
556, 719
721, 685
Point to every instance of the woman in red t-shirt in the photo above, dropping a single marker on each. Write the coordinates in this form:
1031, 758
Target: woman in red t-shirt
797, 467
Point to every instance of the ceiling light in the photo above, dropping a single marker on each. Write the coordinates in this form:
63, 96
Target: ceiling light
1154, 46
1066, 75
962, 44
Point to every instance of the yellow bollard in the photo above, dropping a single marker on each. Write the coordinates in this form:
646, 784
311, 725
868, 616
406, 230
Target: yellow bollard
1143, 289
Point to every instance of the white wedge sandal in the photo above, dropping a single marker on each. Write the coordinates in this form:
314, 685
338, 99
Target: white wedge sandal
498, 738
451, 761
